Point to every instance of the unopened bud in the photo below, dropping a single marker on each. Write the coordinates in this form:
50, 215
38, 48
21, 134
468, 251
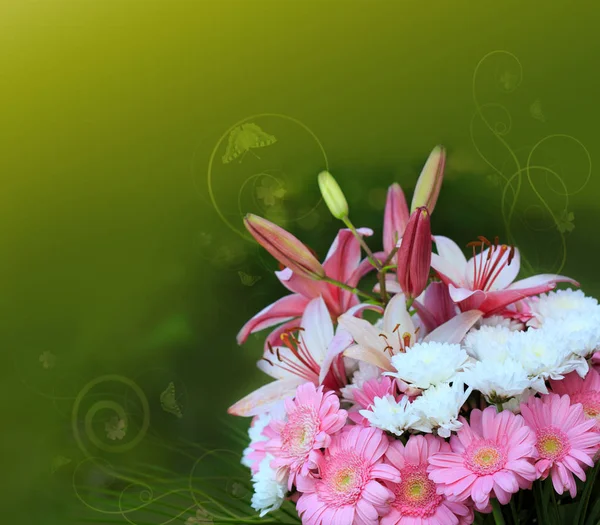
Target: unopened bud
430, 181
414, 254
333, 195
286, 248
395, 217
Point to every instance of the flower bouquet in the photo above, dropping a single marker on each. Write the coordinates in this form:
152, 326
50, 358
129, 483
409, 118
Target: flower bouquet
449, 393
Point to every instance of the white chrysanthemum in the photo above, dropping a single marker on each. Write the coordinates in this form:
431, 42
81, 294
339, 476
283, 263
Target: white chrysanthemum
544, 355
488, 343
389, 414
255, 433
427, 364
438, 408
269, 493
498, 382
581, 331
498, 320
560, 303
365, 372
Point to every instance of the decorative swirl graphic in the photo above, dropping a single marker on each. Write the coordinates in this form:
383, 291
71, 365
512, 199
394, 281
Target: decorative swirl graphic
525, 176
117, 409
268, 184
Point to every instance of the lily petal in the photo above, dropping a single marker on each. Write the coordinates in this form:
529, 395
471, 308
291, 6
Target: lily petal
395, 217
340, 264
396, 315
341, 341
363, 332
454, 331
436, 307
318, 329
540, 280
450, 251
509, 272
299, 284
371, 356
280, 311
265, 397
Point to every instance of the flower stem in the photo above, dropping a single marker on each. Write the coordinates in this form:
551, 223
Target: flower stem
515, 514
362, 242
382, 290
497, 512
349, 288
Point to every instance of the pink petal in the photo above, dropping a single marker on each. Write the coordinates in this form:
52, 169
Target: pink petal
371, 356
284, 246
265, 397
395, 217
396, 314
363, 332
509, 273
341, 261
299, 284
341, 341
459, 295
543, 281
281, 310
450, 260
274, 338
376, 494
454, 331
386, 472
318, 329
437, 306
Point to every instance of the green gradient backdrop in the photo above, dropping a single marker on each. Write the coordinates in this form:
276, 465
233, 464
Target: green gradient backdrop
114, 258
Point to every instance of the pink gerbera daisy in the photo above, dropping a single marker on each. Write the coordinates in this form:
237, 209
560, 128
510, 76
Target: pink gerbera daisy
565, 439
417, 500
585, 391
491, 456
312, 417
348, 489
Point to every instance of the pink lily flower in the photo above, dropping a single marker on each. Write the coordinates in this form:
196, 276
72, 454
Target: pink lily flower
485, 281
435, 306
343, 263
376, 345
313, 355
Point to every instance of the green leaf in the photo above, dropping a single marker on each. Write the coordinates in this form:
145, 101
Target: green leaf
594, 517
585, 496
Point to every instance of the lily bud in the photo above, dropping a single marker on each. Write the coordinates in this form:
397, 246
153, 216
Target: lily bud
414, 255
430, 181
333, 195
286, 248
395, 217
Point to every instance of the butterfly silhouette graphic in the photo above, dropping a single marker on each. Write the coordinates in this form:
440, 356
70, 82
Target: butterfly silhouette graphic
536, 111
566, 222
509, 80
59, 462
202, 516
247, 279
243, 139
168, 401
48, 360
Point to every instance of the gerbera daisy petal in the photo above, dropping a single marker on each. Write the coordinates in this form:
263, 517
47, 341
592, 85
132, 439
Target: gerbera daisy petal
296, 442
417, 498
498, 456
565, 440
350, 483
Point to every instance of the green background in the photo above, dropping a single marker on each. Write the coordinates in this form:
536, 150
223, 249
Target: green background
117, 259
